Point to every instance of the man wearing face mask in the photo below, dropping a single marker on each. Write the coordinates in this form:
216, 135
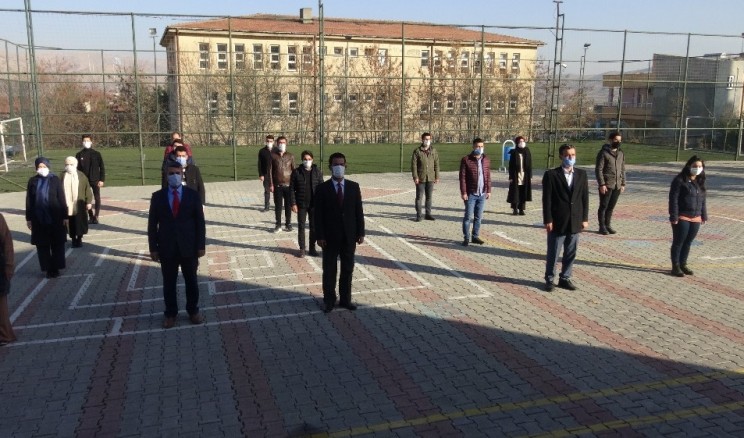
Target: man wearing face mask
191, 173
425, 172
475, 189
339, 227
79, 197
282, 165
305, 179
264, 169
610, 173
90, 163
565, 203
176, 235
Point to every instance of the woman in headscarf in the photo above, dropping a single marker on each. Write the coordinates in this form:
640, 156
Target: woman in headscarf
520, 176
7, 267
79, 198
46, 217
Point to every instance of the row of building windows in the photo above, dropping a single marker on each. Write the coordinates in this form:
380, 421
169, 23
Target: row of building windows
273, 58
292, 106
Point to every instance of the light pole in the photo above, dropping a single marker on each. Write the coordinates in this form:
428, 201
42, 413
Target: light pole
154, 34
581, 85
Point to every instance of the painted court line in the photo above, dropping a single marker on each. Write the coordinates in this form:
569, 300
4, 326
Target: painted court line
102, 256
397, 262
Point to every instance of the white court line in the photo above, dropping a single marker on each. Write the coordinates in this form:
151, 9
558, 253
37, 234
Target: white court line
102, 256
311, 261
116, 328
81, 291
397, 262
28, 300
728, 218
437, 262
25, 260
135, 271
505, 237
407, 192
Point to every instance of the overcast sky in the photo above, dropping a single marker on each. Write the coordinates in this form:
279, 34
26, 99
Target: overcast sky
717, 17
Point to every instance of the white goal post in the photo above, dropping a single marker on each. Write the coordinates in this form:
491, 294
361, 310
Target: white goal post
12, 128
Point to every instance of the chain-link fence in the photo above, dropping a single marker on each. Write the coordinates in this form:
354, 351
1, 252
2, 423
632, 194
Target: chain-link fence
132, 79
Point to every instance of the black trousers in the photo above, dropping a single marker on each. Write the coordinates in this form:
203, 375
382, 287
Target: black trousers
331, 253
97, 197
424, 189
607, 204
302, 215
282, 198
169, 268
521, 193
267, 192
51, 257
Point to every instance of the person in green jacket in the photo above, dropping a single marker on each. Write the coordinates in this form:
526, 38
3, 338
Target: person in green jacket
425, 172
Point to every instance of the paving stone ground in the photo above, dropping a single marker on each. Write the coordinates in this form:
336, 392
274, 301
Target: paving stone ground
447, 340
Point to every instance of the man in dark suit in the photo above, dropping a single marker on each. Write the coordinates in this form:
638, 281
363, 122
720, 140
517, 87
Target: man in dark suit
90, 163
565, 214
339, 227
176, 233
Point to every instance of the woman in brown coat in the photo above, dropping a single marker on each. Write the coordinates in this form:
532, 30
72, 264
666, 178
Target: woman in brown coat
7, 265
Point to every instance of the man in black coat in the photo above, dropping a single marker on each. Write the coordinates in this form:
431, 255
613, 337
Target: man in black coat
339, 227
304, 181
176, 234
191, 174
90, 163
565, 214
264, 169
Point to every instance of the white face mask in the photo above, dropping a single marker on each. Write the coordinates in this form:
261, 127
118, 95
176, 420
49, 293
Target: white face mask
44, 171
69, 168
427, 143
338, 171
307, 163
695, 171
269, 144
183, 161
282, 147
522, 144
87, 144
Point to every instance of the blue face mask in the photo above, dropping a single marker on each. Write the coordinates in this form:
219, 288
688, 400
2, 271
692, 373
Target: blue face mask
477, 151
569, 162
182, 160
174, 180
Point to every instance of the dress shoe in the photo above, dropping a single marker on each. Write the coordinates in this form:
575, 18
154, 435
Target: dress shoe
603, 231
521, 212
277, 228
328, 308
477, 240
265, 209
288, 228
465, 242
302, 253
566, 283
610, 230
196, 318
686, 270
677, 271
313, 252
169, 322
514, 212
429, 217
52, 274
76, 243
549, 286
418, 218
93, 220
349, 306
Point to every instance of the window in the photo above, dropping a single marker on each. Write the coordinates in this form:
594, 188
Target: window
382, 57
307, 58
294, 109
488, 107
436, 106
292, 58
240, 56
500, 104
203, 56
425, 58
730, 84
338, 51
450, 104
503, 56
515, 61
513, 103
464, 61
368, 97
369, 52
212, 103
476, 61
438, 61
424, 108
488, 61
230, 104
222, 56
258, 56
353, 52
381, 100
338, 97
274, 57
276, 103
353, 99
464, 104
451, 60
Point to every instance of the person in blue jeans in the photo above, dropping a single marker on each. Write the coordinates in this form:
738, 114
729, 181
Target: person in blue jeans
687, 212
475, 189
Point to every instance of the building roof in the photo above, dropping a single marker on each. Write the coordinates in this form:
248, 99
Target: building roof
294, 25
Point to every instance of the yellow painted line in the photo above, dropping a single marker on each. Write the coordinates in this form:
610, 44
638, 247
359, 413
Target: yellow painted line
643, 421
547, 401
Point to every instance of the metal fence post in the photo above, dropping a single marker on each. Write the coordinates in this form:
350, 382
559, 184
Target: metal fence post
684, 97
139, 104
402, 87
34, 79
622, 82
230, 51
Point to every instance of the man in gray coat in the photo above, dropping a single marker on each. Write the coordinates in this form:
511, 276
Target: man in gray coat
610, 173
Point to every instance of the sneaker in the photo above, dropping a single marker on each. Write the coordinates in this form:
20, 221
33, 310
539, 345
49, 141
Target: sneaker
566, 283
610, 230
288, 228
277, 228
465, 242
677, 271
429, 217
549, 286
686, 270
477, 240
603, 232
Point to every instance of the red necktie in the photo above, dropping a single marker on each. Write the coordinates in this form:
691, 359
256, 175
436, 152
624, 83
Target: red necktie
340, 195
176, 203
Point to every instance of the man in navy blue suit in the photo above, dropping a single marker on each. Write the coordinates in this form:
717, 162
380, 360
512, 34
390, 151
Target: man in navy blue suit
339, 227
176, 233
